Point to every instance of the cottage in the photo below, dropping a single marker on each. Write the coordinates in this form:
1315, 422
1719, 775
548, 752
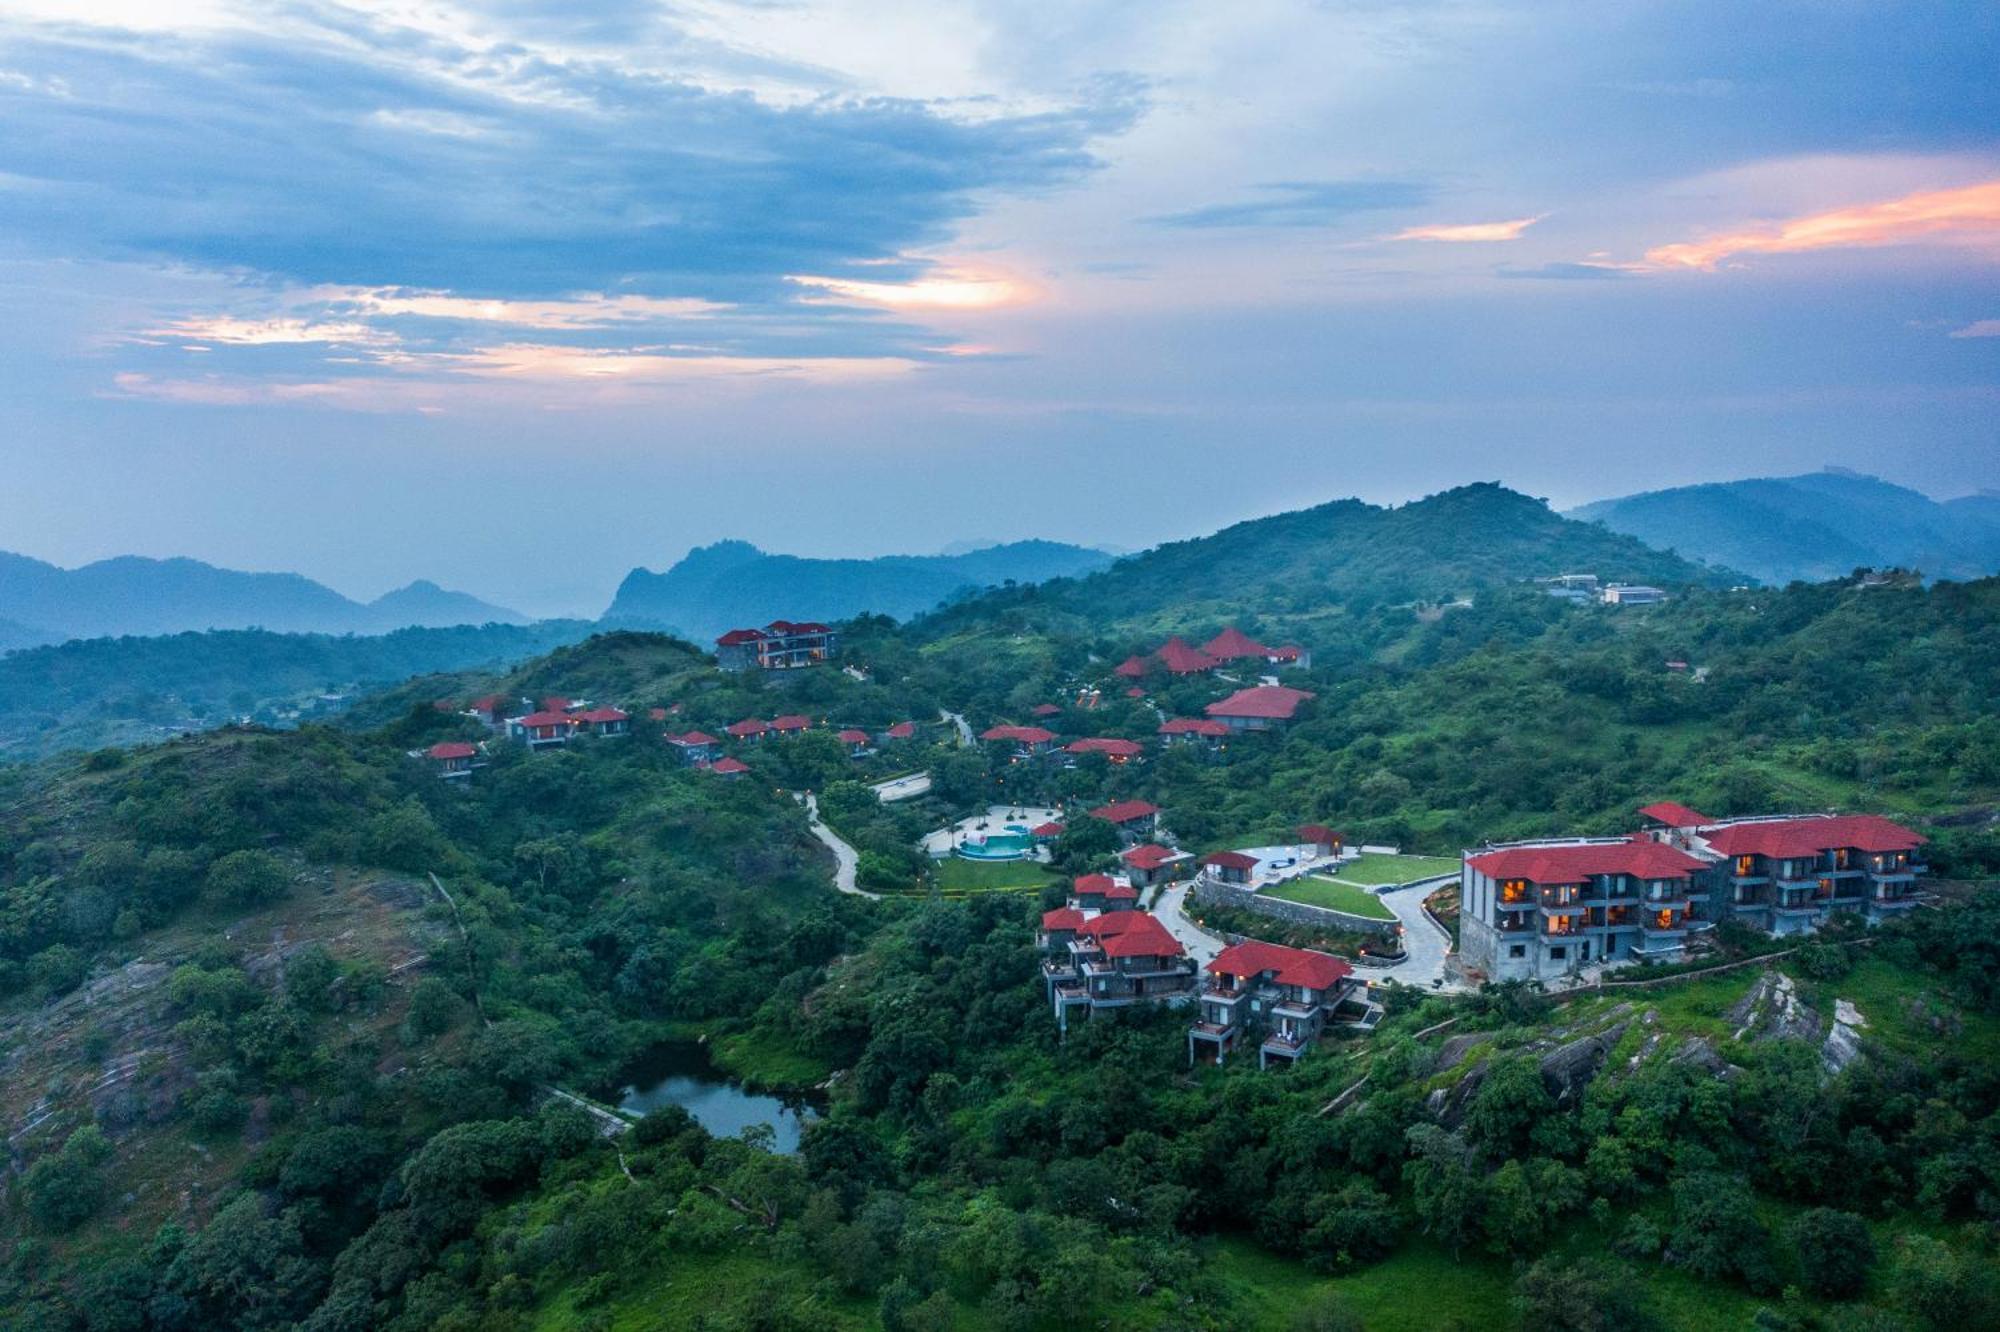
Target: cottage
791, 724
697, 749
452, 758
1180, 658
542, 729
1151, 863
1323, 840
490, 709
1136, 820
1118, 752
604, 721
903, 730
748, 731
1259, 708
1112, 960
1028, 741
1200, 732
856, 741
729, 767
1231, 867
1285, 996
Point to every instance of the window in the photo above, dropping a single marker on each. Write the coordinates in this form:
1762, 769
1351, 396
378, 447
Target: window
1557, 954
1517, 950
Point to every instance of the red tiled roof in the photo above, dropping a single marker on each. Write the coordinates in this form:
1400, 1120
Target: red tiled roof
791, 722
1288, 652
1087, 884
1027, 735
691, 739
1230, 860
797, 627
1112, 922
487, 703
1233, 643
1144, 937
1124, 811
1135, 692
1131, 668
1046, 710
597, 715
547, 719
1575, 862
1100, 745
1181, 659
1193, 726
1051, 829
902, 730
747, 727
1809, 836
853, 737
737, 637
1269, 702
729, 767
1674, 815
1290, 966
1121, 892
1062, 918
1148, 857
452, 749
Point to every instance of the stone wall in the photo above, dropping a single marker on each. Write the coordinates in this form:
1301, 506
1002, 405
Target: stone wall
1207, 892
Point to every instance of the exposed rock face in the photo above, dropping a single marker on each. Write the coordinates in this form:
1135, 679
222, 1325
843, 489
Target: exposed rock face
1448, 1104
1773, 1011
1700, 1052
1843, 1043
1568, 1069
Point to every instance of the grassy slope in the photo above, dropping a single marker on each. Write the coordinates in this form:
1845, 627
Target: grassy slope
1333, 894
956, 874
1374, 871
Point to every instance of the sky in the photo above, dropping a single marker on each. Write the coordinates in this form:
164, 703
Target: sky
518, 294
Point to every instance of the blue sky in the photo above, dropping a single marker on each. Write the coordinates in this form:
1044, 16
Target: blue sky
517, 294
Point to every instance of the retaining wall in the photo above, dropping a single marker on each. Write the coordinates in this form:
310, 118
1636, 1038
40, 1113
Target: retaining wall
1207, 892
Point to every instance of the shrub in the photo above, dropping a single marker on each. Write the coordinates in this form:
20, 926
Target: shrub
1835, 1252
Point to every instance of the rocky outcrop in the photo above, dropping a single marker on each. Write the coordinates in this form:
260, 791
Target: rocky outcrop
1568, 1069
1773, 1010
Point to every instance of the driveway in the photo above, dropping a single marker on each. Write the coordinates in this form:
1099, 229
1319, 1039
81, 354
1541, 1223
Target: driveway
959, 724
1426, 943
902, 788
1170, 910
845, 861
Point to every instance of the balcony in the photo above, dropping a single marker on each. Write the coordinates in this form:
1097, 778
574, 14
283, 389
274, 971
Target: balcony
1293, 1009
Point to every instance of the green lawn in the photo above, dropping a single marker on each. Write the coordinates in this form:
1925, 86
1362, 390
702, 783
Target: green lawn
1418, 1288
1332, 893
955, 874
1374, 870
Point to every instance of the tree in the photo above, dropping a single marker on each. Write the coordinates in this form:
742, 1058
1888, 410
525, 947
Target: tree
1716, 1231
1835, 1252
1588, 1296
248, 879
65, 1189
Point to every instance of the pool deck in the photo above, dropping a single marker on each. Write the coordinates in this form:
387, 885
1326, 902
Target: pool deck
945, 841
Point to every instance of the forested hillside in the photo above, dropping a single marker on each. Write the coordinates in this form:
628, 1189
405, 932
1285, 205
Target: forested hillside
105, 691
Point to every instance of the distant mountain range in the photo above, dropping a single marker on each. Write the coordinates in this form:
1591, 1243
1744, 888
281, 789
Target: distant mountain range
732, 583
1813, 527
43, 603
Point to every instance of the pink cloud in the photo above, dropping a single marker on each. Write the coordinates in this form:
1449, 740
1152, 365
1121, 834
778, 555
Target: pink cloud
1466, 232
1972, 211
1981, 328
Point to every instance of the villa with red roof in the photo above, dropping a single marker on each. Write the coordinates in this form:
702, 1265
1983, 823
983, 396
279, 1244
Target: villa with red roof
1203, 732
780, 645
855, 740
1150, 863
749, 730
542, 729
1046, 710
697, 749
1787, 875
1110, 959
1181, 658
1258, 708
453, 759
1116, 751
1136, 820
1280, 997
790, 724
729, 767
903, 730
603, 721
1131, 668
1028, 741
490, 708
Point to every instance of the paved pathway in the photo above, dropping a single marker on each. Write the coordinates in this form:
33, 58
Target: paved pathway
1426, 943
1170, 908
845, 861
963, 727
902, 788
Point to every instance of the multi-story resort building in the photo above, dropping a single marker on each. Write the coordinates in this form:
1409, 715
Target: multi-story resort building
1113, 958
780, 645
1539, 910
1281, 998
1788, 874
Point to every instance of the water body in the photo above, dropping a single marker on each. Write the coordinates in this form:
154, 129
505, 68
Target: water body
682, 1075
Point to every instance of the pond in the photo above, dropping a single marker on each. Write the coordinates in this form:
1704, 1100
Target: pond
682, 1075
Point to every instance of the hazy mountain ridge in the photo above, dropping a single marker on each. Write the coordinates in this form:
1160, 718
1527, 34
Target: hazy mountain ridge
718, 587
135, 595
1817, 526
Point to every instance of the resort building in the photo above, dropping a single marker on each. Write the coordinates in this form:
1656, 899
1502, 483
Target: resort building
1786, 875
791, 724
903, 730
1028, 741
729, 767
1233, 868
1259, 708
1281, 998
1114, 959
779, 646
748, 731
1541, 910
856, 741
1632, 594
1322, 840
1136, 820
491, 709
603, 721
1118, 752
452, 758
697, 749
1572, 587
1181, 658
1201, 732
1101, 892
542, 729
1151, 863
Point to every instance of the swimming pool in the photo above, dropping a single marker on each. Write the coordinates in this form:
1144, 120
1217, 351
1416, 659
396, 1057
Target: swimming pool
1016, 843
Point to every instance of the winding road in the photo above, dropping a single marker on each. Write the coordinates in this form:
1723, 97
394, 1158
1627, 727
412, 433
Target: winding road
1169, 908
1426, 944
845, 861
963, 727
